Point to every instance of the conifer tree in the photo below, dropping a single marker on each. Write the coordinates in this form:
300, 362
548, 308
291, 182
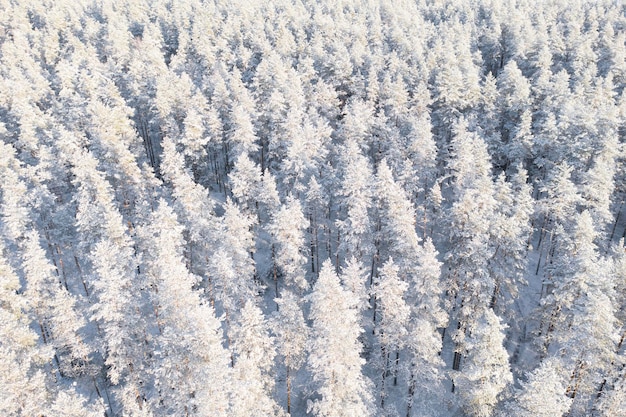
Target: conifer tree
467, 277
578, 313
393, 318
232, 267
254, 352
425, 365
189, 340
486, 371
23, 381
342, 390
287, 230
509, 233
291, 337
354, 278
355, 196
28, 387
54, 307
542, 395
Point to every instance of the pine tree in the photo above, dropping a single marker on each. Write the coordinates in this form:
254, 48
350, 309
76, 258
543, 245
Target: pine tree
232, 267
393, 318
509, 233
354, 278
486, 371
254, 353
28, 387
305, 152
55, 308
514, 100
613, 402
355, 197
193, 206
468, 280
425, 365
23, 381
245, 179
291, 337
189, 341
578, 313
343, 390
287, 230
397, 217
113, 281
542, 395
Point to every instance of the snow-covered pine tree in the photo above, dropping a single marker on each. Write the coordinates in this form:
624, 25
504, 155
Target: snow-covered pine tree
468, 281
486, 371
28, 386
287, 229
355, 197
340, 390
425, 365
232, 267
54, 307
578, 320
190, 374
113, 280
542, 395
510, 232
392, 320
292, 335
254, 352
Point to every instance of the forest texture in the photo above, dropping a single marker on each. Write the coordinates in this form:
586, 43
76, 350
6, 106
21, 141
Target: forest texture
312, 208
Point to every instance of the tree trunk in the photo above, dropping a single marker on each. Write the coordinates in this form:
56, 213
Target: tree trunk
395, 368
80, 271
337, 254
411, 394
385, 356
572, 389
313, 243
456, 362
617, 216
275, 274
288, 391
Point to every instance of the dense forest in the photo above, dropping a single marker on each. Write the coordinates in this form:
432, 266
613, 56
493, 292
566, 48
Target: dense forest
312, 208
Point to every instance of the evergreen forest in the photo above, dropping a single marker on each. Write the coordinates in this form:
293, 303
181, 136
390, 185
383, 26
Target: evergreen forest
330, 208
